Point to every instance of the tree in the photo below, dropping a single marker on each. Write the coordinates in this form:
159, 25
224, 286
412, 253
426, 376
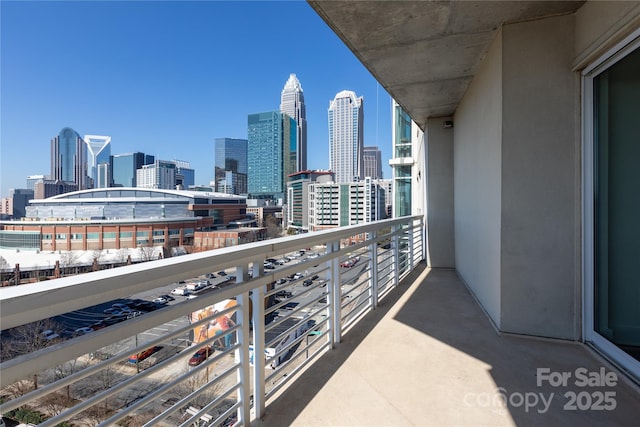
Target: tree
122, 255
4, 264
273, 228
66, 369
196, 382
69, 259
28, 338
146, 252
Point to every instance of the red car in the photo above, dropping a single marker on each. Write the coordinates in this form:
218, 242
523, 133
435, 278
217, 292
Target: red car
200, 356
135, 358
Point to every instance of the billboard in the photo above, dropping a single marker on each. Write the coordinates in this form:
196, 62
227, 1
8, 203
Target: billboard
216, 325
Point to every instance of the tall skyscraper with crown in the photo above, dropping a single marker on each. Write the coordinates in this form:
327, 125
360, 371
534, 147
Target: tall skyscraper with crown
292, 103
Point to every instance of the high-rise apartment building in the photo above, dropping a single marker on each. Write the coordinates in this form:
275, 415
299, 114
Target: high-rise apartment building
231, 165
271, 154
99, 152
124, 167
346, 140
372, 160
292, 103
69, 158
334, 205
160, 174
298, 197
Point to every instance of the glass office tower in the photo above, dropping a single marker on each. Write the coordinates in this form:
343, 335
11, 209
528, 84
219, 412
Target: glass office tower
99, 152
124, 167
69, 158
231, 165
271, 154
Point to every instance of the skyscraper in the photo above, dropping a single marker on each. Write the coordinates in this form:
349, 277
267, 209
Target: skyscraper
231, 165
69, 158
372, 159
185, 175
292, 103
99, 152
159, 174
346, 142
271, 154
124, 167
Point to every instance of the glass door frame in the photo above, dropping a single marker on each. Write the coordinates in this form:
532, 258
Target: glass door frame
612, 352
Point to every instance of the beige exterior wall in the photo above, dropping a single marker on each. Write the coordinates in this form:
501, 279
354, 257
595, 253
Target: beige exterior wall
540, 180
517, 169
477, 155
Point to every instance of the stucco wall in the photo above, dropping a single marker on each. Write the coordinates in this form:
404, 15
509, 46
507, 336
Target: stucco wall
600, 25
540, 191
440, 230
477, 182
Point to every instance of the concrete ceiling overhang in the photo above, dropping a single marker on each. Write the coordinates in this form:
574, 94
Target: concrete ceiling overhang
425, 53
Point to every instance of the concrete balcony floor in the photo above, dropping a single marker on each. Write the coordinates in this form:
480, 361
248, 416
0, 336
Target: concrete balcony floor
429, 356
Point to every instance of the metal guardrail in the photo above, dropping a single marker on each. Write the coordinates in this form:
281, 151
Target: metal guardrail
140, 370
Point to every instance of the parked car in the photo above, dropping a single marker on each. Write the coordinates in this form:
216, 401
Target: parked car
49, 335
160, 300
315, 276
200, 356
167, 297
180, 291
307, 282
210, 276
134, 313
145, 305
134, 358
221, 273
83, 330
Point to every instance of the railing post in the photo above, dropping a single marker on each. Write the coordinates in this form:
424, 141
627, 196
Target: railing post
257, 320
423, 240
335, 294
242, 357
396, 255
410, 229
373, 270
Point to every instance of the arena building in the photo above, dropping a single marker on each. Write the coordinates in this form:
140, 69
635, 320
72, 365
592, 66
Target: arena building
116, 218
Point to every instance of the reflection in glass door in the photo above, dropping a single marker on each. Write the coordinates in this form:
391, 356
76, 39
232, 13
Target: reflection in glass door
616, 154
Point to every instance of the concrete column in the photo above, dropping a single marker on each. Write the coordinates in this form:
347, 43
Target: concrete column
438, 180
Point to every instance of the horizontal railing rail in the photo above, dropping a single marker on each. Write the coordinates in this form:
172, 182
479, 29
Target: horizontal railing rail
210, 358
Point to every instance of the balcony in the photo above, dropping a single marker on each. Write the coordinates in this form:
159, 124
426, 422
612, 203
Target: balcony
139, 365
385, 341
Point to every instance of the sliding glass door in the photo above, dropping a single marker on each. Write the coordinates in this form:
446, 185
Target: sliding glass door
612, 100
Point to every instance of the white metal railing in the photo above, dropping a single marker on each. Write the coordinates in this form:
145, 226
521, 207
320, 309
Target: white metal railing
291, 314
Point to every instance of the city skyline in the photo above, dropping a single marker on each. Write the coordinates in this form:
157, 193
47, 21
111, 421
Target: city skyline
168, 93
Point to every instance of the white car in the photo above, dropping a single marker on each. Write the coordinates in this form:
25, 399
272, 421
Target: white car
50, 335
83, 330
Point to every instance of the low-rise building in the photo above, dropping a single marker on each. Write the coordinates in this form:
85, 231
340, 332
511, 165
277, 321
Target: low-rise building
115, 218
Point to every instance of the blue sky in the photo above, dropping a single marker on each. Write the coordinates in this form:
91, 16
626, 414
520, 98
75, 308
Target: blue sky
167, 78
